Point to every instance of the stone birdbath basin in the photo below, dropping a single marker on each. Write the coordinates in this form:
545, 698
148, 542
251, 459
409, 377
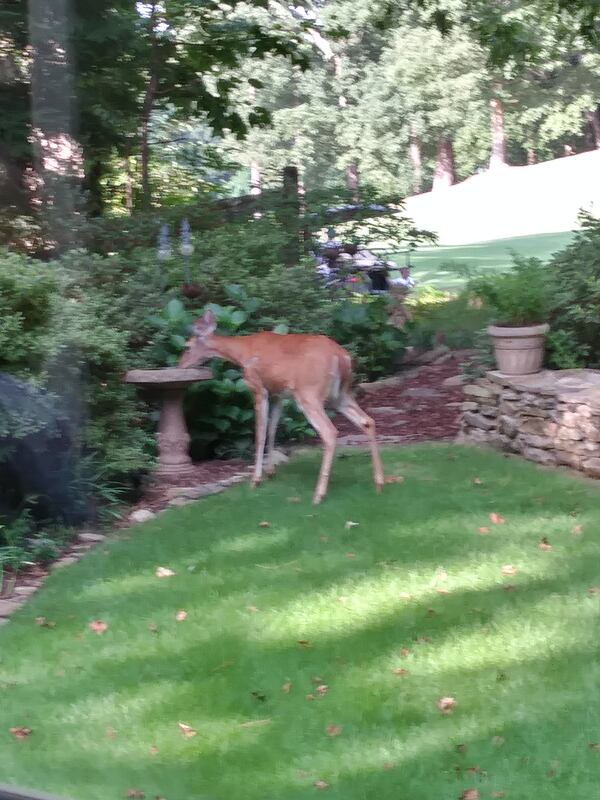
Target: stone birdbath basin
173, 438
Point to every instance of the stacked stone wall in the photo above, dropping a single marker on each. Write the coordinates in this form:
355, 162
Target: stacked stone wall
552, 418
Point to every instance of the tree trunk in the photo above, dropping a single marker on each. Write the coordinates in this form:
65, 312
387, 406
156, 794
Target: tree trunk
593, 118
498, 156
353, 181
93, 188
58, 154
255, 178
290, 216
148, 104
128, 185
444, 167
531, 157
416, 160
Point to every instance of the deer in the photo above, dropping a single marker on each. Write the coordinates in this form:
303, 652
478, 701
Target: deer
310, 368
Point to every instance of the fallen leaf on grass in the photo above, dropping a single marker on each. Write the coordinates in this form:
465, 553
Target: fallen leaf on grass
135, 794
483, 531
286, 688
351, 524
186, 730
498, 794
400, 672
594, 746
111, 733
164, 572
224, 665
544, 544
446, 704
461, 748
509, 587
293, 499
404, 652
423, 640
180, 616
321, 785
393, 479
592, 590
322, 689
470, 794
44, 623
153, 627
577, 530
497, 519
477, 482
21, 733
153, 749
498, 741
333, 730
304, 643
264, 524
508, 569
350, 555
252, 609
443, 591
255, 723
98, 626
310, 697
405, 596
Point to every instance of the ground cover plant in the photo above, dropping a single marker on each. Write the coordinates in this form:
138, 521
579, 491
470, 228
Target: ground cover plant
435, 641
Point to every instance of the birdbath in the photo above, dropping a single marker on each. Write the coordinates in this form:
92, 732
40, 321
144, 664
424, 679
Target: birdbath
173, 438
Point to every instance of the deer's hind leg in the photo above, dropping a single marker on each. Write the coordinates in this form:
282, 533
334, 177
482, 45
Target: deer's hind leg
348, 406
315, 414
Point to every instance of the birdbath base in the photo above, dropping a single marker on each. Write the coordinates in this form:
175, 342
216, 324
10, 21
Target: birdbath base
173, 438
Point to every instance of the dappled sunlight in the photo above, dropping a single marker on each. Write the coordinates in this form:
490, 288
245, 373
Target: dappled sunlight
252, 542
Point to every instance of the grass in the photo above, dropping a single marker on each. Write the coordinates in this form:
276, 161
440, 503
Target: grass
443, 267
522, 664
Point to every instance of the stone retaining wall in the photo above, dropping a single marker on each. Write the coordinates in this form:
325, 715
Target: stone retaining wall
551, 418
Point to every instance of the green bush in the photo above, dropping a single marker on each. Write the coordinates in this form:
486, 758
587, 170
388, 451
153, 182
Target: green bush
516, 298
575, 316
438, 316
360, 324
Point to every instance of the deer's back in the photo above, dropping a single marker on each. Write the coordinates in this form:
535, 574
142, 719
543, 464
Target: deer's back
295, 362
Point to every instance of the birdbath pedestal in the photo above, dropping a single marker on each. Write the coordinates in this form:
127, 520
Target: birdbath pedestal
173, 438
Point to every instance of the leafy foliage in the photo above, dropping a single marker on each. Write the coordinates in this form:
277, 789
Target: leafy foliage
575, 317
519, 297
361, 325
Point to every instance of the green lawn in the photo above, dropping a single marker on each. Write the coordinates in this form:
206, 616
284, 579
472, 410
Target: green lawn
308, 602
440, 266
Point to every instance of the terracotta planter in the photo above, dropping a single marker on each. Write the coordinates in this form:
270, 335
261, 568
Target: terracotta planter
519, 351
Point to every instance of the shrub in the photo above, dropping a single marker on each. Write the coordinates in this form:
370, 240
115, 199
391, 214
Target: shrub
361, 325
516, 298
575, 315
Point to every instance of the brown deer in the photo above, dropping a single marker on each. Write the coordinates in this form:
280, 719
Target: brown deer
312, 369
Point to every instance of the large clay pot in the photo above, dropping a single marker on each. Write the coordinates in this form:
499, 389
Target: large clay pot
519, 351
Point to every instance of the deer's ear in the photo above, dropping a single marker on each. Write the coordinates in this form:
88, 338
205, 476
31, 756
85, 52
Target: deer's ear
205, 325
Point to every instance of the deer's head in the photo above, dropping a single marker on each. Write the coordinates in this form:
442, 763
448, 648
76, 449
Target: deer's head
198, 348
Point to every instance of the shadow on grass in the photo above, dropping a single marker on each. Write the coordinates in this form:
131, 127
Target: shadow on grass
227, 668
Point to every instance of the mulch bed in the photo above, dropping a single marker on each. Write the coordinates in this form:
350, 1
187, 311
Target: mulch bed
424, 408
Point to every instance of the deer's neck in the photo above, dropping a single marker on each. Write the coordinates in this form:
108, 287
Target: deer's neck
230, 348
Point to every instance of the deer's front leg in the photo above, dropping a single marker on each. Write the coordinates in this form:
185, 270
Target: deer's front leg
261, 414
